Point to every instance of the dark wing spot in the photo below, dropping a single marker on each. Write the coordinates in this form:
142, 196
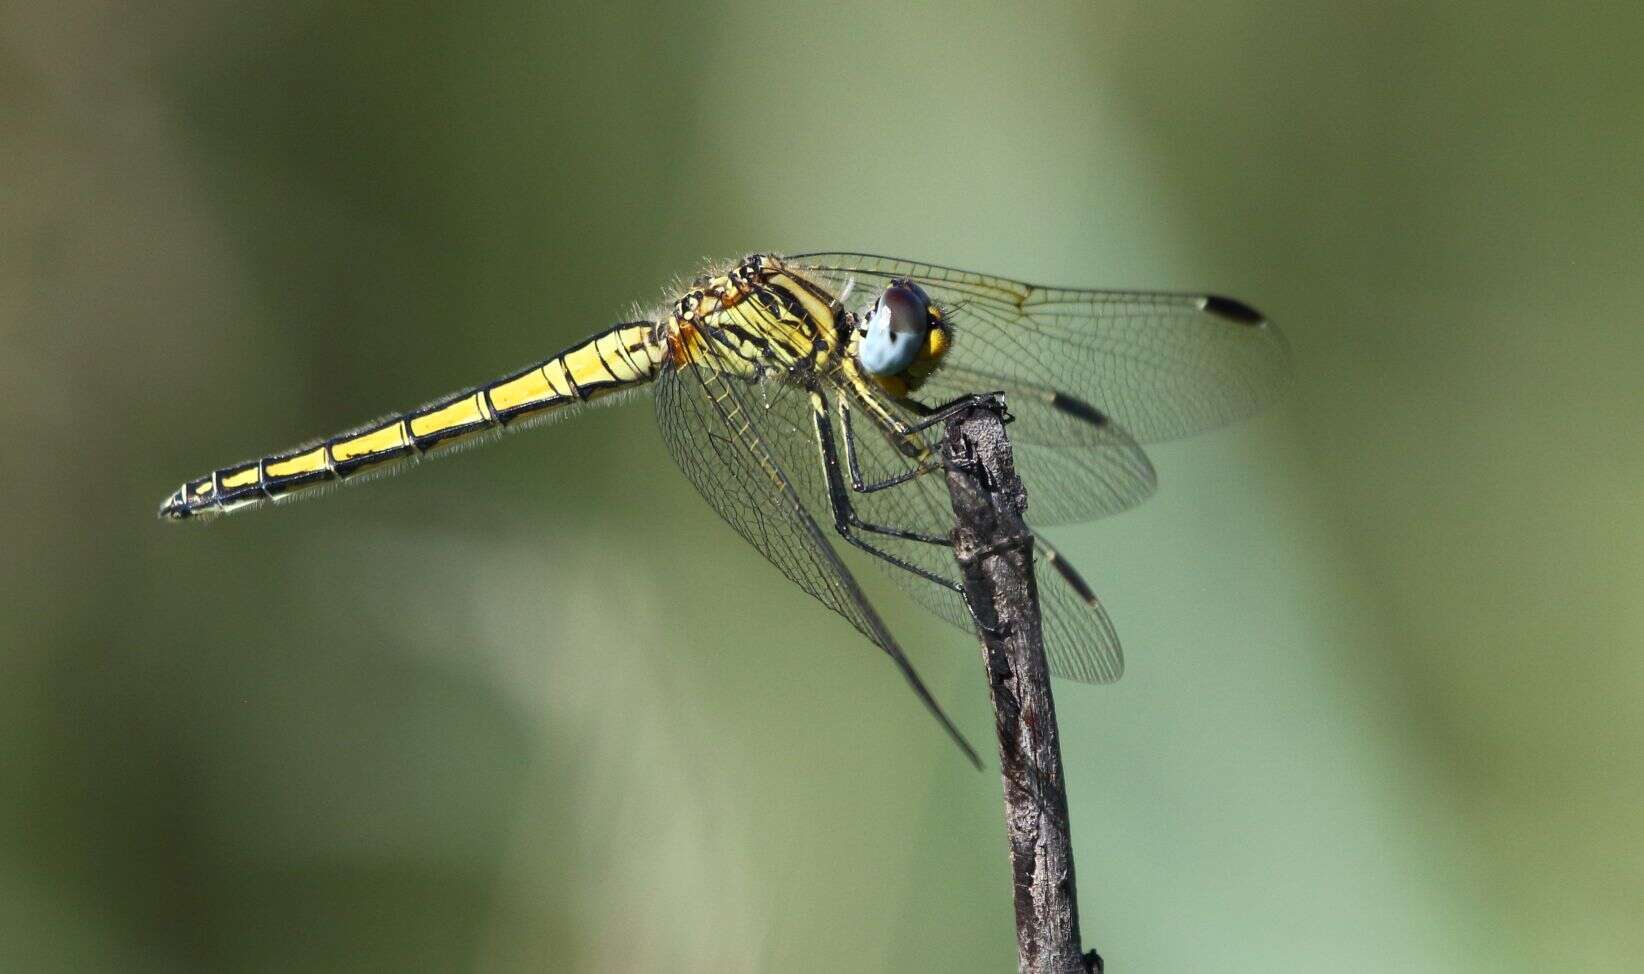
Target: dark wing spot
1078, 408
1232, 310
1073, 578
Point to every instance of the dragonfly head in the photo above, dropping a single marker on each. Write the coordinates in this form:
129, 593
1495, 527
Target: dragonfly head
902, 334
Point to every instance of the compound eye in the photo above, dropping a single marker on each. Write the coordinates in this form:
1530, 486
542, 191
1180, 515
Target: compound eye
909, 307
894, 330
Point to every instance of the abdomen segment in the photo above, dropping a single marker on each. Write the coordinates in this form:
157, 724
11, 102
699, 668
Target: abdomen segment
620, 358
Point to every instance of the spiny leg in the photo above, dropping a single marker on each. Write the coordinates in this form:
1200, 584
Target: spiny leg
858, 482
931, 415
845, 519
905, 432
924, 466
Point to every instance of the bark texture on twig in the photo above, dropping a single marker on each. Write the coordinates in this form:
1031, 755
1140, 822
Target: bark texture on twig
995, 552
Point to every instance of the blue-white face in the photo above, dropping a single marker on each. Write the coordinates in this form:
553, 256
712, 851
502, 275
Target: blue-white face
893, 330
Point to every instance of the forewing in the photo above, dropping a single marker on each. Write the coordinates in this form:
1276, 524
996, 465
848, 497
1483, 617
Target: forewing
1158, 364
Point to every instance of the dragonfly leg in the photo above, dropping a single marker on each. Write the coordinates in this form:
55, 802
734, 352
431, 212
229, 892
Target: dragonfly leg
931, 415
906, 445
860, 486
904, 439
845, 520
846, 523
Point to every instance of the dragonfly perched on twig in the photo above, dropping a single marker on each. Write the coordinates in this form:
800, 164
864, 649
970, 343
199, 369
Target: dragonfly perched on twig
789, 409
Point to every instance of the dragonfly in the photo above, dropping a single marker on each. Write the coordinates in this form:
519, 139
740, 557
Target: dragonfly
807, 391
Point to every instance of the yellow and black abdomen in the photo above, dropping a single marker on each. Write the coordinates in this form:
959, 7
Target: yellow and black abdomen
623, 357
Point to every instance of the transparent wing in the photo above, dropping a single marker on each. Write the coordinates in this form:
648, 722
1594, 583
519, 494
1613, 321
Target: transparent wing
1069, 486
1159, 364
1080, 643
722, 431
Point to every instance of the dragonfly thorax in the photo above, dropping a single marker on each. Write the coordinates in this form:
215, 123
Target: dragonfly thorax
758, 316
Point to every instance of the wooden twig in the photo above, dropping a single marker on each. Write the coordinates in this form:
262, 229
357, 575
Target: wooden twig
995, 552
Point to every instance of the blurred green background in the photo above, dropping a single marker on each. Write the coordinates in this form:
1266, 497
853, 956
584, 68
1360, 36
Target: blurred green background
1383, 704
